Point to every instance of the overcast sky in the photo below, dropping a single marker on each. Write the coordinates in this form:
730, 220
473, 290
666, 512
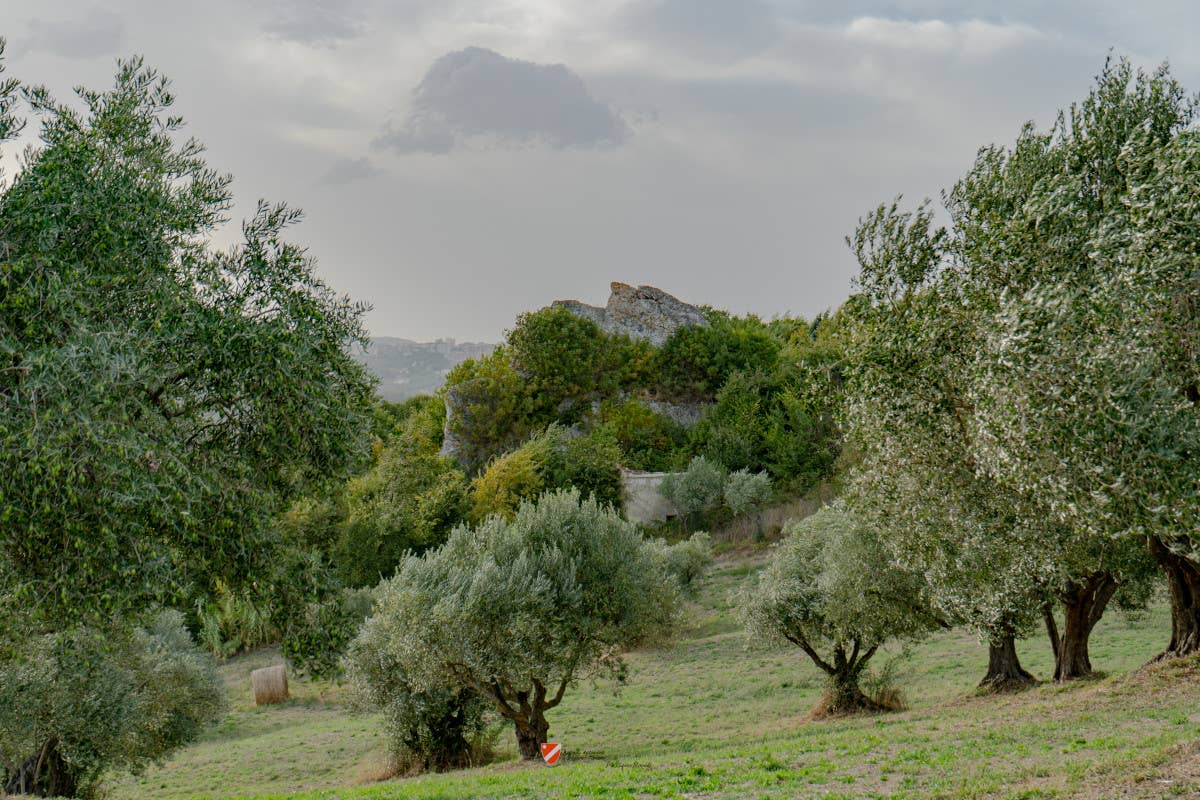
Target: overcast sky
463, 160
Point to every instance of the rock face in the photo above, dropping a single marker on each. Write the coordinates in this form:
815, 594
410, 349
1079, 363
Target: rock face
642, 312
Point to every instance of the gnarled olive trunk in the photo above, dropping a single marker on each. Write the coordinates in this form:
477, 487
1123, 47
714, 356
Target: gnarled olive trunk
44, 774
1183, 580
1005, 673
531, 735
526, 710
1083, 604
845, 695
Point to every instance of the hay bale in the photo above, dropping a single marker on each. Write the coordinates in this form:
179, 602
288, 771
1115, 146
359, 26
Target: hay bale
270, 685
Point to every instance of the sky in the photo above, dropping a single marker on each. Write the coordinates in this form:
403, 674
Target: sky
462, 161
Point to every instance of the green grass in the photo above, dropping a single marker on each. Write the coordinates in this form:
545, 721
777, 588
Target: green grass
709, 717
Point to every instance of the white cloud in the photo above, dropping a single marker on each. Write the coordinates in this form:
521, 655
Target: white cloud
971, 37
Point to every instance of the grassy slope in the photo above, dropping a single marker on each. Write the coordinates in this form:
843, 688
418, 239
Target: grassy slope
710, 718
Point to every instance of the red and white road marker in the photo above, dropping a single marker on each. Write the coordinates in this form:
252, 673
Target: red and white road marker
551, 752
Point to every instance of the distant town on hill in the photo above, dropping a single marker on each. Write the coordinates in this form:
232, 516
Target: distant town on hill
406, 368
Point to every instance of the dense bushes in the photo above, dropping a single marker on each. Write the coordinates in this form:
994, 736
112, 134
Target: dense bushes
434, 729
695, 362
555, 459
771, 385
409, 500
706, 488
648, 440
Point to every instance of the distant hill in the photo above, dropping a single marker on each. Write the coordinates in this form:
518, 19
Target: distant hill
406, 368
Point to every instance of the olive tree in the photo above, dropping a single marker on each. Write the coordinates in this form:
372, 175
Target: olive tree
518, 610
997, 553
908, 349
159, 399
1085, 395
76, 705
832, 590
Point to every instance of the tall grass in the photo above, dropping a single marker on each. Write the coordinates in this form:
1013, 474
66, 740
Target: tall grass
232, 623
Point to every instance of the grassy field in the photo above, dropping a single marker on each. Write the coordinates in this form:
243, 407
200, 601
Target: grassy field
709, 717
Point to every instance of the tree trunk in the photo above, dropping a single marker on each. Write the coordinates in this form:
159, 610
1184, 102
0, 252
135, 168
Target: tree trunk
44, 774
1083, 606
531, 735
526, 710
1052, 630
846, 697
1005, 673
1183, 579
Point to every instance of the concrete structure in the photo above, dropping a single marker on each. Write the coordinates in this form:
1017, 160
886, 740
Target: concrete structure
643, 503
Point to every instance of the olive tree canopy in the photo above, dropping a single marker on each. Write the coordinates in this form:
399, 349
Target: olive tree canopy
832, 590
518, 610
158, 399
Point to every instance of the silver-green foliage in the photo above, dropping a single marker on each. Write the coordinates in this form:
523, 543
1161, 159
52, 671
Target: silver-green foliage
746, 491
688, 560
98, 702
518, 610
706, 487
833, 590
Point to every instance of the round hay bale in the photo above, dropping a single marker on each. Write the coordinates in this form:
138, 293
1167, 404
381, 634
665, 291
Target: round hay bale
270, 685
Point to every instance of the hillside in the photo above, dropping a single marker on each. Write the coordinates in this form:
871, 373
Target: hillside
406, 368
709, 717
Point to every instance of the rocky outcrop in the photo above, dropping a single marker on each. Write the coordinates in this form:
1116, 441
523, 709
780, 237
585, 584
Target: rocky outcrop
641, 312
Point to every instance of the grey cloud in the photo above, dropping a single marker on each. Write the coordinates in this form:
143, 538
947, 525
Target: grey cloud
320, 22
479, 97
722, 29
349, 170
96, 33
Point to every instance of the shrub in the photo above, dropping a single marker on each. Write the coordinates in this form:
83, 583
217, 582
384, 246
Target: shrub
555, 459
697, 361
588, 463
697, 491
687, 561
558, 353
493, 410
434, 730
508, 481
231, 622
647, 440
410, 500
746, 491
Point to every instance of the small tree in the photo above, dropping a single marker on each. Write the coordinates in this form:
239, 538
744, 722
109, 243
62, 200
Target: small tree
434, 730
746, 491
519, 610
688, 560
75, 705
698, 490
832, 590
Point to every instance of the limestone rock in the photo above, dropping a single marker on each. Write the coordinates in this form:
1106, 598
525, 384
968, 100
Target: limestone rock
642, 312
